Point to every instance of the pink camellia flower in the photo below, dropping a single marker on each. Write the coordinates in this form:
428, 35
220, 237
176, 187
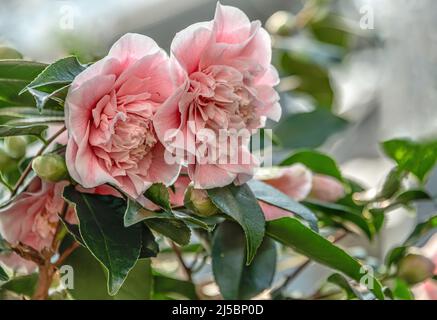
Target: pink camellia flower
32, 217
326, 188
299, 183
427, 290
177, 192
109, 113
294, 181
225, 88
16, 263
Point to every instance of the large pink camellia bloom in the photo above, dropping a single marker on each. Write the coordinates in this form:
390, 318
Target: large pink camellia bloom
109, 114
223, 68
32, 217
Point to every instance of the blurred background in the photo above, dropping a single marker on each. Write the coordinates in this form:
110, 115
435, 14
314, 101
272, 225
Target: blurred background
353, 73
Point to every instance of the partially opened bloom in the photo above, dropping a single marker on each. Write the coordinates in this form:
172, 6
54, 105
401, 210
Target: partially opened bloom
326, 188
225, 90
16, 263
294, 181
32, 217
110, 108
299, 183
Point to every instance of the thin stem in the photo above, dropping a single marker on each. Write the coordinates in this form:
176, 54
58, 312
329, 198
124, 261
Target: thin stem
29, 166
178, 253
66, 254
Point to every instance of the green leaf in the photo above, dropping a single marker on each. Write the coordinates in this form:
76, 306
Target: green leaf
61, 72
73, 229
24, 285
149, 247
293, 233
239, 203
313, 78
409, 196
167, 286
345, 284
20, 69
3, 275
135, 213
315, 161
139, 283
56, 94
401, 291
273, 196
20, 116
174, 229
308, 129
9, 53
102, 229
235, 279
332, 30
31, 130
340, 214
14, 76
158, 194
90, 279
415, 157
421, 229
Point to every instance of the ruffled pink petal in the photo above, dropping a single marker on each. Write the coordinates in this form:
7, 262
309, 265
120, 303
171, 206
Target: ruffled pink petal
188, 45
132, 47
208, 176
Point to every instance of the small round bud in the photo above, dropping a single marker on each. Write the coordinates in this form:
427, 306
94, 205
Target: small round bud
198, 201
415, 268
281, 23
15, 146
50, 167
7, 163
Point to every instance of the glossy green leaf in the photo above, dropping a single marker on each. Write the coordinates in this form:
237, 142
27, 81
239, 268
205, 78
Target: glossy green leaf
174, 229
61, 72
401, 291
273, 196
21, 116
421, 229
102, 229
345, 284
340, 214
30, 130
149, 247
14, 76
135, 213
173, 288
239, 203
23, 285
90, 279
235, 279
313, 78
158, 194
308, 129
293, 233
315, 161
3, 275
9, 53
415, 157
73, 229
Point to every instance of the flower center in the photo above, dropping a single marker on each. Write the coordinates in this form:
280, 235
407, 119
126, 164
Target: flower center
219, 96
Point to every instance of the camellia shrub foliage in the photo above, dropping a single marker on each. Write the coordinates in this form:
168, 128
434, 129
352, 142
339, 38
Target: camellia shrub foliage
109, 174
